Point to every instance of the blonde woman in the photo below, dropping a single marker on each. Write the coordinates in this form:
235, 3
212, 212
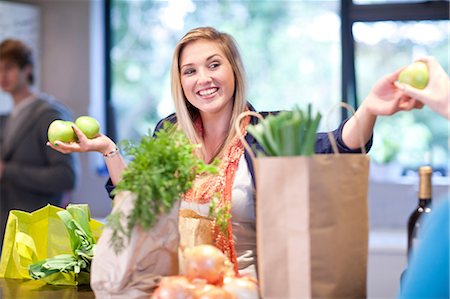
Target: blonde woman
208, 88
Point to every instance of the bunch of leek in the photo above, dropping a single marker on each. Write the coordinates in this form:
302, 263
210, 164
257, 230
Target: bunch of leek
289, 133
76, 219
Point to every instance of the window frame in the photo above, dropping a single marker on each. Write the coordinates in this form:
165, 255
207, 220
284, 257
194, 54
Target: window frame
109, 107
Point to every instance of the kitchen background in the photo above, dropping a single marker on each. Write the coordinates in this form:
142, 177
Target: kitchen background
282, 40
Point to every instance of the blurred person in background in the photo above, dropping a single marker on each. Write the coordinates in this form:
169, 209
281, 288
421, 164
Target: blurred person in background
31, 174
427, 275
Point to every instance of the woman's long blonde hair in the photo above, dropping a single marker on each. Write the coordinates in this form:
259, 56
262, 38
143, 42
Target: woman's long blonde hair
186, 113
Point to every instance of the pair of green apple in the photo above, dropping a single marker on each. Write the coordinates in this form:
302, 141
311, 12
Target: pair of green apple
62, 130
415, 74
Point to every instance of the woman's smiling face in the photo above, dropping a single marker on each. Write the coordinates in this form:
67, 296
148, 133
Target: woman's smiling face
207, 77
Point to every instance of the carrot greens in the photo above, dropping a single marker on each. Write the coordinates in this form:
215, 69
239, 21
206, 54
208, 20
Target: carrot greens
162, 168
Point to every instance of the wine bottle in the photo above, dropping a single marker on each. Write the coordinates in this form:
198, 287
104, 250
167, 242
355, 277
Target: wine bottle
423, 207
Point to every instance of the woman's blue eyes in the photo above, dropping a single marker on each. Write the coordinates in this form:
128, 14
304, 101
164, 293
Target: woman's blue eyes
191, 71
214, 65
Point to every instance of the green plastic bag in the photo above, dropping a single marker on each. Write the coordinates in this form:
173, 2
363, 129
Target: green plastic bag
35, 236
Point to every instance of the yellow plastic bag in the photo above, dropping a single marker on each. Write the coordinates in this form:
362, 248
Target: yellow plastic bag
31, 237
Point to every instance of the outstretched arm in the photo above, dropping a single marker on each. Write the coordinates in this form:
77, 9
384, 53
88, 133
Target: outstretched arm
102, 144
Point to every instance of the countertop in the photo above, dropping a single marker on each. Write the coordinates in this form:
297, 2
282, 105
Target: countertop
30, 289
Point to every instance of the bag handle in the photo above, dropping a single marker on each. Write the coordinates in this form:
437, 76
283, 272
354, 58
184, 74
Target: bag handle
237, 127
331, 137
25, 249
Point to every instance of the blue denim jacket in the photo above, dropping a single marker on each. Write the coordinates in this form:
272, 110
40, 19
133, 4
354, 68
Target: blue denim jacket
323, 145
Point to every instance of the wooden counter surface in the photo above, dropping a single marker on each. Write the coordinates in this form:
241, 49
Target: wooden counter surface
31, 289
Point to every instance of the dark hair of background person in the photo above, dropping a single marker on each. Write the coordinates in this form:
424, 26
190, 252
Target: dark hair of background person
18, 53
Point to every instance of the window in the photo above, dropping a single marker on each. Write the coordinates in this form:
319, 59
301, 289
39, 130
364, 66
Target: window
291, 51
379, 39
292, 54
408, 138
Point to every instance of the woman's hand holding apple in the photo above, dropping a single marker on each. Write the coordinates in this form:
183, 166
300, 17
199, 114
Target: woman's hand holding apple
415, 74
63, 136
383, 99
436, 94
101, 143
386, 99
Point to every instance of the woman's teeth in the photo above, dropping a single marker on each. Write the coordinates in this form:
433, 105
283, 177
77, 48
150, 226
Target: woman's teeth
207, 92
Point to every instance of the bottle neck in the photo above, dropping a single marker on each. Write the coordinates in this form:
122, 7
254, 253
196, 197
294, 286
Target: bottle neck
423, 202
425, 183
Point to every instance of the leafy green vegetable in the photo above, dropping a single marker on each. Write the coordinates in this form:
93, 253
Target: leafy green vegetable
290, 133
220, 214
76, 219
161, 169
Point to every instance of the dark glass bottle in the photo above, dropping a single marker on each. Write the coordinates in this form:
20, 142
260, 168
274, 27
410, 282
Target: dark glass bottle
424, 206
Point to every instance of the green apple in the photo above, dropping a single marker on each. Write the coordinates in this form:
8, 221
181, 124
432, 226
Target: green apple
88, 125
61, 130
415, 74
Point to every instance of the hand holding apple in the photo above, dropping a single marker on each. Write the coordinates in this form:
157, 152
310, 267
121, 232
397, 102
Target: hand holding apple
415, 74
384, 98
81, 136
61, 130
88, 125
98, 143
436, 95
101, 143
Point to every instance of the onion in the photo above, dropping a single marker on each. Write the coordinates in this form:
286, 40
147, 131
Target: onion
209, 291
205, 262
174, 287
241, 287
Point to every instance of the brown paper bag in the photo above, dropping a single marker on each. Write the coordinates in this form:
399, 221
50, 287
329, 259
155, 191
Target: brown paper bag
194, 230
147, 256
312, 224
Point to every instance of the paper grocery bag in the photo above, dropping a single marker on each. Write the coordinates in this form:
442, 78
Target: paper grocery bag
146, 257
194, 230
312, 226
